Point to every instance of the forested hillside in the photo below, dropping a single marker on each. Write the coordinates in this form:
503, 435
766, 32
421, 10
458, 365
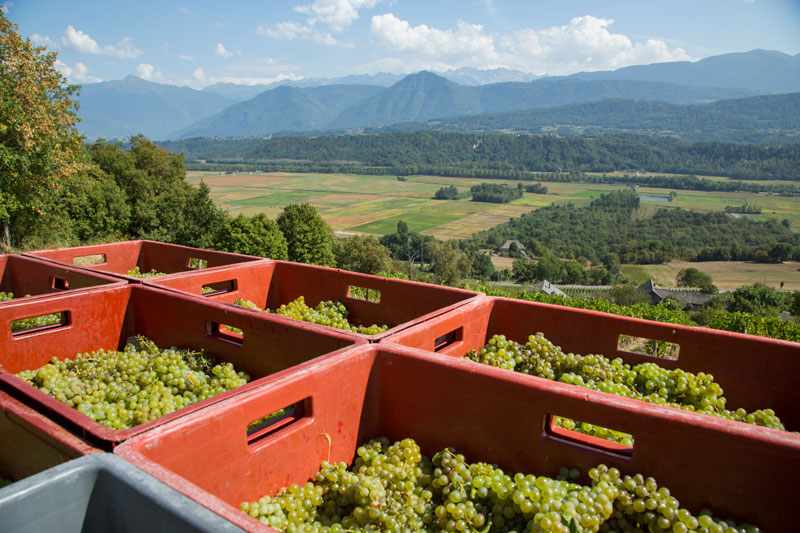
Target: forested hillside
501, 155
610, 225
754, 119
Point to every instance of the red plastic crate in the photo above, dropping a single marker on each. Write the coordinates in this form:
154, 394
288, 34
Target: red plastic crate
31, 443
271, 284
38, 278
485, 413
755, 372
105, 319
117, 258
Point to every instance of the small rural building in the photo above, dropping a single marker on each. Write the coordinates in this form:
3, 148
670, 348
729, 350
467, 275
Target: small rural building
548, 288
506, 246
690, 298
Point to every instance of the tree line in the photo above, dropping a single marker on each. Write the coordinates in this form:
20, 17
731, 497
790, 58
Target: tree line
501, 155
611, 225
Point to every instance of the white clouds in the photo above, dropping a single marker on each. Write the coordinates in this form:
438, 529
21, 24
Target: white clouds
468, 41
201, 79
336, 15
77, 74
292, 30
583, 44
43, 40
221, 52
148, 72
6, 5
81, 42
186, 57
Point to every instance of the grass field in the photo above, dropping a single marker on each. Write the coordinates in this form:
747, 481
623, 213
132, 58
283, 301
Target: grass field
731, 274
374, 204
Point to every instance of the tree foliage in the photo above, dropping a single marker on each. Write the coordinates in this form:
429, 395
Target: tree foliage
256, 235
691, 277
447, 193
362, 254
611, 226
40, 149
308, 238
448, 264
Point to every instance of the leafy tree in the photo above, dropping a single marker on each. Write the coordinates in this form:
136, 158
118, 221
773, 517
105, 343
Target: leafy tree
202, 220
447, 193
626, 295
523, 270
757, 299
404, 245
256, 235
482, 266
781, 252
40, 149
96, 207
449, 264
362, 254
573, 272
163, 206
549, 268
308, 238
691, 277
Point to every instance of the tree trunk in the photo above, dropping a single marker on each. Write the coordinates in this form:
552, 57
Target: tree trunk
7, 234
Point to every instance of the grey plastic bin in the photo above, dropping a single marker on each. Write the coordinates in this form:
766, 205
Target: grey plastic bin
101, 493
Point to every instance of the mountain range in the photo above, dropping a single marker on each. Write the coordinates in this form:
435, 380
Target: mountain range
774, 117
120, 108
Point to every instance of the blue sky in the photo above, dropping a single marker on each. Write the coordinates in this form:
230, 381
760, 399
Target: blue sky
197, 43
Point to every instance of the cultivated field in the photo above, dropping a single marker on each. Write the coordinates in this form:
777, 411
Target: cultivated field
374, 204
732, 274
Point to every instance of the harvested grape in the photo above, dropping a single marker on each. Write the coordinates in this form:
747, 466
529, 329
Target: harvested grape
136, 273
644, 381
122, 389
33, 322
393, 487
327, 313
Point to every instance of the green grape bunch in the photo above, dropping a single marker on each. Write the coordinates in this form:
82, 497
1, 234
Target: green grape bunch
644, 381
33, 322
142, 382
326, 313
137, 273
393, 487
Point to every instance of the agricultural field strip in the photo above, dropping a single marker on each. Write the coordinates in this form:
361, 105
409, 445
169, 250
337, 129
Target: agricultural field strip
423, 187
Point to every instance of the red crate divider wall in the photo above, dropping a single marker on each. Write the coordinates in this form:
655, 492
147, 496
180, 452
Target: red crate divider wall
271, 284
117, 258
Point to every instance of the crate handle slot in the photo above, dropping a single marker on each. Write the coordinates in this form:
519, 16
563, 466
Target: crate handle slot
557, 428
219, 287
225, 333
448, 339
269, 425
195, 263
354, 292
59, 284
23, 327
655, 348
89, 260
